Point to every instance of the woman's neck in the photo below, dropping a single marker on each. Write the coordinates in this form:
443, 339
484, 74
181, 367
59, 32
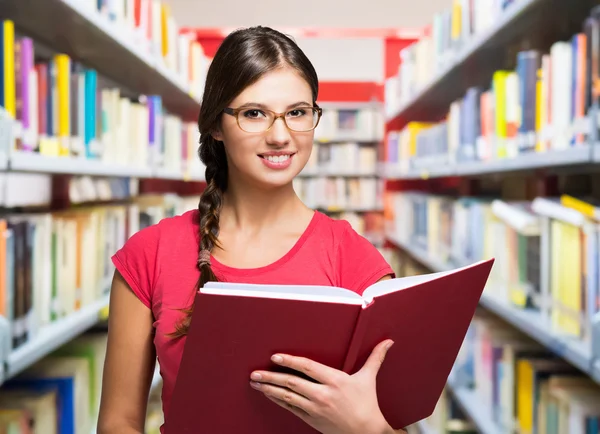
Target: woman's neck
253, 209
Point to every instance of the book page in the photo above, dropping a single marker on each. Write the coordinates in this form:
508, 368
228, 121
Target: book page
325, 294
388, 286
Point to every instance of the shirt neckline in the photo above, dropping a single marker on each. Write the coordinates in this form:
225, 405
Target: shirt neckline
229, 270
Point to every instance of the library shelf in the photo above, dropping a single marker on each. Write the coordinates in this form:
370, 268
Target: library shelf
109, 48
178, 175
533, 324
478, 413
575, 156
3, 161
425, 428
529, 161
529, 322
53, 336
474, 63
20, 161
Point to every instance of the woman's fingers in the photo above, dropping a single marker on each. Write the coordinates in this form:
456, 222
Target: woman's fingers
297, 411
285, 396
299, 385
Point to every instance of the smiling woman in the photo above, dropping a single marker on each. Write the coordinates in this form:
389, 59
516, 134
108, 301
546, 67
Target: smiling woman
257, 122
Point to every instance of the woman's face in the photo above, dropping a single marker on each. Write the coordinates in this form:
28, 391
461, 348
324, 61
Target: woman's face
269, 158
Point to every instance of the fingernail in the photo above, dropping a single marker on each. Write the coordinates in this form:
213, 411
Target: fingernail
256, 376
255, 384
389, 345
277, 359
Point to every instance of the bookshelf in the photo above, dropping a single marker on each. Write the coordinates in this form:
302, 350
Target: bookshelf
531, 323
469, 402
52, 337
38, 163
559, 159
473, 61
113, 50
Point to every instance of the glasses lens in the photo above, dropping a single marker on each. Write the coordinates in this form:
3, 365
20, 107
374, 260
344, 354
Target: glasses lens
302, 118
255, 120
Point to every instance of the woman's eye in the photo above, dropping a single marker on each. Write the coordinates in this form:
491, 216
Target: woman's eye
296, 113
253, 114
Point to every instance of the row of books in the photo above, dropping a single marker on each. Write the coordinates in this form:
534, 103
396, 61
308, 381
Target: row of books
546, 251
340, 193
62, 108
368, 224
447, 418
54, 263
351, 158
364, 124
444, 39
522, 386
155, 33
540, 106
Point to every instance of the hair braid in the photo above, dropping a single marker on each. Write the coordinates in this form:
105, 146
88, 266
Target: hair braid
209, 209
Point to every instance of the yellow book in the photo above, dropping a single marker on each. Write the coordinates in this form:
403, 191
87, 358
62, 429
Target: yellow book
587, 207
525, 396
456, 20
164, 25
539, 107
570, 266
63, 67
499, 86
413, 129
10, 98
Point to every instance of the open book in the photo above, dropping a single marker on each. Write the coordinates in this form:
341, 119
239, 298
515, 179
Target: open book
236, 328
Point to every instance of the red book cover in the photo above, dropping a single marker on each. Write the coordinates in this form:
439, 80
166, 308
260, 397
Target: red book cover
236, 328
42, 76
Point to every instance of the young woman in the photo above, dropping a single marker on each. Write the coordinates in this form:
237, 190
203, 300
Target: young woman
256, 124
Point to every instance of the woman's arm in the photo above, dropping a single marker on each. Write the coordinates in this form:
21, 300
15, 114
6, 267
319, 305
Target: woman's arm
129, 363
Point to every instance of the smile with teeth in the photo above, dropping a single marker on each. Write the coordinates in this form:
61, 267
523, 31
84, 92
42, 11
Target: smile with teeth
277, 158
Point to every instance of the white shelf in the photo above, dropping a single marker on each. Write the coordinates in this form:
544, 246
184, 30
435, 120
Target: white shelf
425, 428
113, 50
479, 414
528, 161
34, 162
54, 336
3, 161
529, 322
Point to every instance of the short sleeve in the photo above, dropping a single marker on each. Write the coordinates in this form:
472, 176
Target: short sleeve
136, 262
359, 262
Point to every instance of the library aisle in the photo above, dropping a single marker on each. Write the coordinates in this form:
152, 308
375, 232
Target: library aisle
475, 136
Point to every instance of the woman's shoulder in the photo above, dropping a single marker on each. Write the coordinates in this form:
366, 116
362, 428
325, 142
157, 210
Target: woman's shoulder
170, 228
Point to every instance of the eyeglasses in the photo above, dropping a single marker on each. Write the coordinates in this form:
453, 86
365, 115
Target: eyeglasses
258, 120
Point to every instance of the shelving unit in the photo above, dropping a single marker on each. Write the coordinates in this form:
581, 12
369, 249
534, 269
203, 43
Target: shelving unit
52, 337
424, 428
3, 161
569, 158
34, 162
477, 59
530, 322
113, 51
479, 413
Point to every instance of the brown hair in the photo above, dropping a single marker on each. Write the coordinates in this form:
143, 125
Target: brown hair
242, 59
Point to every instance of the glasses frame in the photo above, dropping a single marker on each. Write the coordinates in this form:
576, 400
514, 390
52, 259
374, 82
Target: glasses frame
236, 111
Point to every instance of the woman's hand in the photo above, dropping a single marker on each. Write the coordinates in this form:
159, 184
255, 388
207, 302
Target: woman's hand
338, 404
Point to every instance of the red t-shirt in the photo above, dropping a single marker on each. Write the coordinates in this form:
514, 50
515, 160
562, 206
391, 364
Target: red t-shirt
159, 264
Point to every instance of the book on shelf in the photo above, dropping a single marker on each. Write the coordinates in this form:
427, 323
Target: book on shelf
427, 317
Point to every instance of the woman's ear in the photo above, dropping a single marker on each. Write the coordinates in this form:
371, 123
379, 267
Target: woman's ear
217, 135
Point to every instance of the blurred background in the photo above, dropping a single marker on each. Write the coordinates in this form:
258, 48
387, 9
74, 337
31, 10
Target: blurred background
453, 131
